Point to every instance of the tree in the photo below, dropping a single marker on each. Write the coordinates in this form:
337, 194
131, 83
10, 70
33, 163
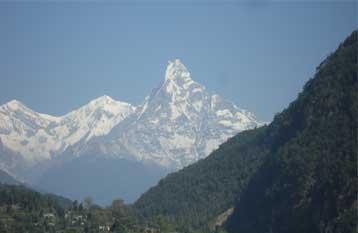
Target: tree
88, 202
118, 208
75, 205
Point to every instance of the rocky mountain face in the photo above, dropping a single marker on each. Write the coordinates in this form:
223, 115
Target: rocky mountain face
179, 123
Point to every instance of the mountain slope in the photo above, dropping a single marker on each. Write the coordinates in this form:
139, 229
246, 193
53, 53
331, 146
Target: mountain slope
7, 179
308, 180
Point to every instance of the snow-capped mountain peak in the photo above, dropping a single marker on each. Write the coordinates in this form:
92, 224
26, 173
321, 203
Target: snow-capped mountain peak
178, 123
105, 104
14, 104
103, 100
15, 109
178, 82
99, 116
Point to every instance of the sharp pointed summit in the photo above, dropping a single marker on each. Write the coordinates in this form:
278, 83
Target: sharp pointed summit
177, 70
14, 102
104, 98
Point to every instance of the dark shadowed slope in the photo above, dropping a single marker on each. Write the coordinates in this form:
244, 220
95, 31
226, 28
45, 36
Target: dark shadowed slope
309, 183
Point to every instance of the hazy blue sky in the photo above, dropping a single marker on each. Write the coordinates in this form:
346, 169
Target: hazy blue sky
55, 57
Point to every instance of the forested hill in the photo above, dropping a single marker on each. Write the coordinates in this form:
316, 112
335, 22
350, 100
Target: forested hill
296, 175
309, 183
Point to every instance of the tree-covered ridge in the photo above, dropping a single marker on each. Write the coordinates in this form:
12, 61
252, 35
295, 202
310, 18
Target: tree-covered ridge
309, 183
309, 172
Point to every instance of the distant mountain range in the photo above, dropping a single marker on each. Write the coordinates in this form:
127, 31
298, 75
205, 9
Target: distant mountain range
179, 123
39, 137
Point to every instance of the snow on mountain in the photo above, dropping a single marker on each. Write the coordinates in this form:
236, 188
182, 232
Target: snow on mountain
178, 123
97, 118
39, 137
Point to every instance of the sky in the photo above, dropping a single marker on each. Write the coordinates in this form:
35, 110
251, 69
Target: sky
56, 56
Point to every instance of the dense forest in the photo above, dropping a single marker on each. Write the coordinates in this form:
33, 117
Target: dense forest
297, 174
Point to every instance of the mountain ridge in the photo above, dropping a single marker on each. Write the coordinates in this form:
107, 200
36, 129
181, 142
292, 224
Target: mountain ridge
39, 136
308, 183
54, 134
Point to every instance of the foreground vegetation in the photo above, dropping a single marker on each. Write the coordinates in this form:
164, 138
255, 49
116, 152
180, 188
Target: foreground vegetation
23, 210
